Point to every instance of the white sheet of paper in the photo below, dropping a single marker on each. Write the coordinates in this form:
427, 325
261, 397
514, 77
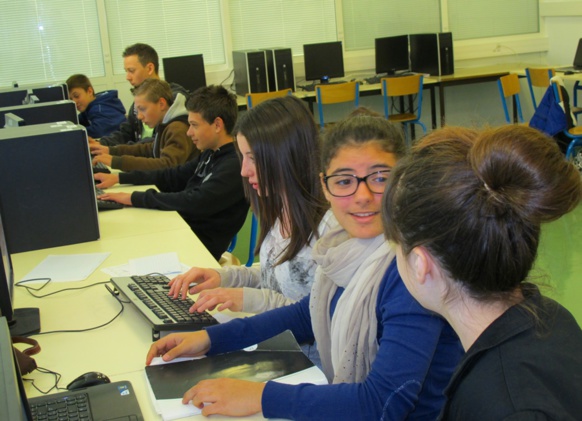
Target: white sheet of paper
66, 267
166, 263
123, 270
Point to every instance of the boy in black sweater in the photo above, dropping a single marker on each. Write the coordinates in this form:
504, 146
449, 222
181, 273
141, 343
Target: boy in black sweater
208, 191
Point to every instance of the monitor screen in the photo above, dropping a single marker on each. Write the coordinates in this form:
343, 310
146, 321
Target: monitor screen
323, 61
44, 112
187, 71
392, 54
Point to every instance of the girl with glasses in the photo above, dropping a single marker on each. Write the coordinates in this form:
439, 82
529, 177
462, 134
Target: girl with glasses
382, 353
464, 213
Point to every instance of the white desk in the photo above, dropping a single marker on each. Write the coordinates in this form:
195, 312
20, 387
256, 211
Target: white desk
119, 349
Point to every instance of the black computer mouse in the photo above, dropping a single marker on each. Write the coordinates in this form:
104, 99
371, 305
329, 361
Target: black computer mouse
91, 378
569, 72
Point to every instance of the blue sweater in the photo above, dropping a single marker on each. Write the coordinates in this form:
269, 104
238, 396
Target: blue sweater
103, 115
418, 352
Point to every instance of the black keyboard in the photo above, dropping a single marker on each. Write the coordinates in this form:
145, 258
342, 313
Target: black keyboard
150, 295
101, 167
311, 88
103, 205
73, 407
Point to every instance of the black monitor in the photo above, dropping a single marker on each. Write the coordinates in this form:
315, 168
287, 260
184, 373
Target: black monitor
31, 94
323, 61
22, 321
43, 112
392, 54
187, 71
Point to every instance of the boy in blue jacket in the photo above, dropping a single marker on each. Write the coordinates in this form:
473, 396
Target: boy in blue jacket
101, 113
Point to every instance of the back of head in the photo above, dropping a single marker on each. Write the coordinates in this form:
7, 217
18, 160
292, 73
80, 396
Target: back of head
145, 54
212, 102
359, 129
476, 199
78, 81
154, 90
284, 139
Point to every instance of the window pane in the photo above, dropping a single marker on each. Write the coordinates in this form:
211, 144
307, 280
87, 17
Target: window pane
281, 23
172, 27
365, 20
49, 40
470, 19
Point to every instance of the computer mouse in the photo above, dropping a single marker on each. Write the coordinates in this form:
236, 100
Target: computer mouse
92, 378
569, 72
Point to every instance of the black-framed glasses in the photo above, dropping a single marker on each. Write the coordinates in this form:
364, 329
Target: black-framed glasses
343, 185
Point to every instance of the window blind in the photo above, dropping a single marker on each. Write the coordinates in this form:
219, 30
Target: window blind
281, 23
49, 40
469, 19
172, 27
366, 20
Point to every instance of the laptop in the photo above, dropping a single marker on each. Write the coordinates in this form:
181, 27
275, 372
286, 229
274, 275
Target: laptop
577, 67
112, 401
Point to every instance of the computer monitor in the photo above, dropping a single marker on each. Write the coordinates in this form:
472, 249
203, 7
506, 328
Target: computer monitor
43, 112
29, 94
22, 321
323, 61
392, 54
187, 71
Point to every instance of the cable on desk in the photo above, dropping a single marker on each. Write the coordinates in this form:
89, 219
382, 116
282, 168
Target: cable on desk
46, 371
48, 280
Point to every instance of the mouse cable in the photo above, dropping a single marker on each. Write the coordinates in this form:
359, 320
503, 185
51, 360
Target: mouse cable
48, 280
121, 302
53, 387
226, 78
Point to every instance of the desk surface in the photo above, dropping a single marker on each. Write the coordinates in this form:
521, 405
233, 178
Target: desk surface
118, 349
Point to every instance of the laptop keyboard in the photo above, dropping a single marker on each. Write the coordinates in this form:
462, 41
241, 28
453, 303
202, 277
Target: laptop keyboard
74, 407
152, 291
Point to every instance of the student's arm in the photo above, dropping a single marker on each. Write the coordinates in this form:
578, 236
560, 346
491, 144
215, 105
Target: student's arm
176, 149
408, 342
104, 121
221, 191
125, 134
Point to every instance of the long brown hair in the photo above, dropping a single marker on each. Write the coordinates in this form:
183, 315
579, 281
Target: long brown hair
284, 139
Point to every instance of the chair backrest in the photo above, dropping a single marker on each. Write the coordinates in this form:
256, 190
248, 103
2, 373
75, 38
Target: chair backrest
336, 93
252, 241
258, 97
509, 88
538, 78
402, 86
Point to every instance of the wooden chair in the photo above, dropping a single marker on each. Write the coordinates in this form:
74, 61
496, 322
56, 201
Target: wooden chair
538, 78
336, 93
509, 88
258, 97
404, 86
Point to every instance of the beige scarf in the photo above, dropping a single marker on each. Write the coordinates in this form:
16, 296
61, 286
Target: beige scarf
347, 343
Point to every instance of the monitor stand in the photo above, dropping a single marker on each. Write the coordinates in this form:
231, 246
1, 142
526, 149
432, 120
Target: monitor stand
25, 322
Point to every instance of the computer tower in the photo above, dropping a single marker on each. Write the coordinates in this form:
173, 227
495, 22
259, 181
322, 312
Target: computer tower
47, 187
432, 53
280, 69
250, 71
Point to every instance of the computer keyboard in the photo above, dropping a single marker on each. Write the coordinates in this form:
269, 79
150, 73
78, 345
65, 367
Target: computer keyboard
311, 88
101, 167
103, 205
149, 294
71, 407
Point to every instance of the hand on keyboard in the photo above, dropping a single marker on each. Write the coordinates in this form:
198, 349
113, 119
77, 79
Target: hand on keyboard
220, 299
204, 278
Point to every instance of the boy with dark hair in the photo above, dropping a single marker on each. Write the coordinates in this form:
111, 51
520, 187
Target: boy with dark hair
207, 191
140, 62
101, 113
157, 108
